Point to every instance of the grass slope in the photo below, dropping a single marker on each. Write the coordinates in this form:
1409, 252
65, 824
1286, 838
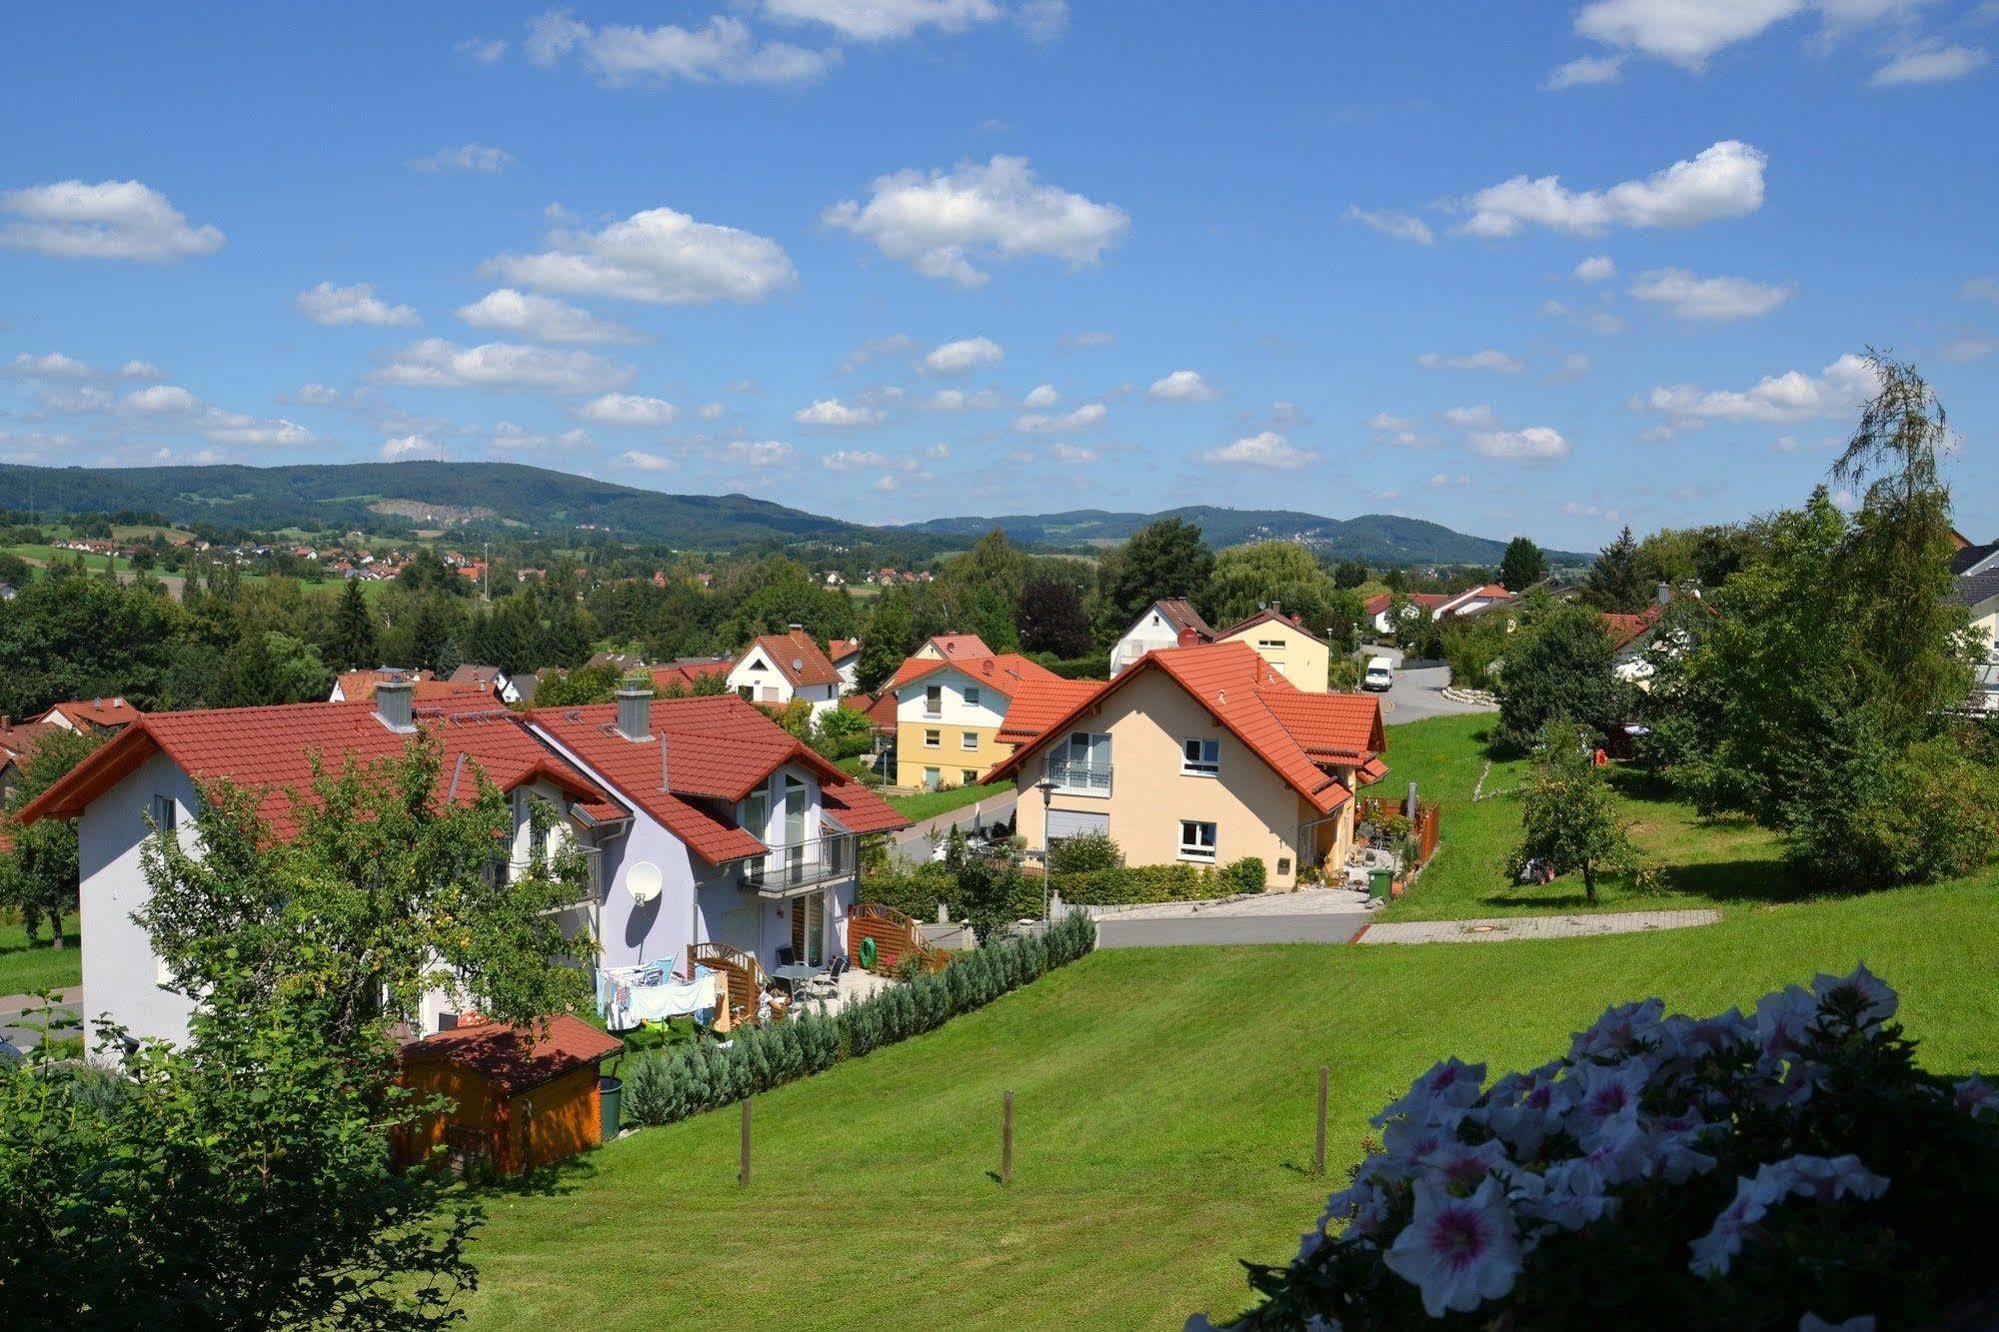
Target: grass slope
1164, 1124
929, 804
26, 969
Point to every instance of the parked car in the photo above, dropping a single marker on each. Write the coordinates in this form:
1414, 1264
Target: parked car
1380, 674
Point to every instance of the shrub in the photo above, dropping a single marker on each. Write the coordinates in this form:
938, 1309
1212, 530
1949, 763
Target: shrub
1247, 875
1084, 854
1138, 883
1792, 1168
649, 1090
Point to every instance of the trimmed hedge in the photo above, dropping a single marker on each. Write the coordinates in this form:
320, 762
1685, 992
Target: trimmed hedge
665, 1087
917, 892
1134, 884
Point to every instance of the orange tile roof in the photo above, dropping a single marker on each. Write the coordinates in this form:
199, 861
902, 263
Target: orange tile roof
879, 709
107, 714
1627, 629
19, 741
839, 649
518, 1058
271, 749
685, 671
359, 686
954, 646
1040, 704
1260, 708
797, 657
1008, 673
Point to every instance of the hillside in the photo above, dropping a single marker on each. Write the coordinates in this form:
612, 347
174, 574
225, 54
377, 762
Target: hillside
1375, 538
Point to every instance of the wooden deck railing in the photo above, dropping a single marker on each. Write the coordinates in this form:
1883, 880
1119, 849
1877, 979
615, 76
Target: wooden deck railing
745, 975
895, 934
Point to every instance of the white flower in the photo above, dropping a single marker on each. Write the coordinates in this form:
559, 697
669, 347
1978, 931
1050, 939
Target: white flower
1674, 1155
1610, 1091
1697, 1038
1458, 1251
1621, 1027
1784, 1018
1976, 1096
1876, 999
1570, 1195
1462, 1169
1823, 1178
1452, 1083
1716, 1250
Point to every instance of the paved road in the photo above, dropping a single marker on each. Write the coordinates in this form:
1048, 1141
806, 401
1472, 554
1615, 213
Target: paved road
1210, 929
1577, 926
20, 1032
1418, 691
913, 845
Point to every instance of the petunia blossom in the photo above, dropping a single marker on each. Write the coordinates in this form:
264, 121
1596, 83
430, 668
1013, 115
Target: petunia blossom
1874, 1000
1458, 1252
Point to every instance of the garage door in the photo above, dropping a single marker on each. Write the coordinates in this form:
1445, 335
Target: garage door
1076, 822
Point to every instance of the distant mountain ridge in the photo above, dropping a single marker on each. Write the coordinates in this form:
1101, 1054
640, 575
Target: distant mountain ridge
1373, 538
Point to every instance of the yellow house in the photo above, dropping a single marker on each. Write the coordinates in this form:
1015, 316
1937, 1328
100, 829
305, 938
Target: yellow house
1203, 755
1293, 651
960, 709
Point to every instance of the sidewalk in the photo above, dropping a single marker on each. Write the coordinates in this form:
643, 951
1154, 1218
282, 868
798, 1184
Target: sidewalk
1533, 927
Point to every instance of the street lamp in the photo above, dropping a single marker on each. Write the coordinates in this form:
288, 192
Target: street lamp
1047, 788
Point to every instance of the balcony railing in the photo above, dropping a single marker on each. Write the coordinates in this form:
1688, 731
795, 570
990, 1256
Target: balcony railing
1080, 778
792, 867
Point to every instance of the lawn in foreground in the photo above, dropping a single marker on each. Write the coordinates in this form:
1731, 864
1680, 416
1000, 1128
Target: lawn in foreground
31, 968
1698, 862
1164, 1124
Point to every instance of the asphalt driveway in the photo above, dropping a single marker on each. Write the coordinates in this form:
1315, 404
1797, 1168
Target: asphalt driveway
1418, 691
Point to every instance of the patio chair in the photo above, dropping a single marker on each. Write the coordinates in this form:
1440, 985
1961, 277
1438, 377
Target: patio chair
840, 965
785, 955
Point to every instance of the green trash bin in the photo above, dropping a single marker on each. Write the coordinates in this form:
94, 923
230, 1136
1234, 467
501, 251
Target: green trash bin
1378, 882
611, 1100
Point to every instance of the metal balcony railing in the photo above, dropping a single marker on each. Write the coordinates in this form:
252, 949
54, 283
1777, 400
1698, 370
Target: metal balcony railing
1080, 778
794, 866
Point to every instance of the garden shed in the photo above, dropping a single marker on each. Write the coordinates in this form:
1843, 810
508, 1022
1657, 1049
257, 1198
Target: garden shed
527, 1095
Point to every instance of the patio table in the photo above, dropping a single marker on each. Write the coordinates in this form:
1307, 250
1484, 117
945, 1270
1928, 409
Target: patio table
795, 975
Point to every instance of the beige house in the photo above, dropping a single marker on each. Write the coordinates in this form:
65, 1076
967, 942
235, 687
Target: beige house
1292, 650
1204, 755
960, 709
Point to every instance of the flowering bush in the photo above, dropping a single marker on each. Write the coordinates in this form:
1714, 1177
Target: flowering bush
1792, 1168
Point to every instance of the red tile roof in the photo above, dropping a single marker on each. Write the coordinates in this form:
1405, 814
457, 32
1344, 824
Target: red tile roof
359, 686
1180, 613
1007, 673
271, 749
797, 657
1039, 704
717, 749
1627, 629
839, 649
878, 709
17, 742
954, 646
685, 671
108, 714
518, 1058
1291, 731
1265, 616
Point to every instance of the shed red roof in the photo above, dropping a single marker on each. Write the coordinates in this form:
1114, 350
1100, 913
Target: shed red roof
518, 1058
1006, 672
107, 714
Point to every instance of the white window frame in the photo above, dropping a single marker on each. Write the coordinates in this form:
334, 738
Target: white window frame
165, 812
933, 739
1195, 849
933, 701
1202, 766
969, 741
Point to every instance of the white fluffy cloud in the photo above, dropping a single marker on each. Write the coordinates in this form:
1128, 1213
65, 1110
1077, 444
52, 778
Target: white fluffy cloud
247, 432
639, 460
53, 365
1686, 295
1264, 449
1073, 454
1480, 417
939, 222
628, 411
482, 50
1685, 32
338, 307
1041, 397
541, 319
722, 51
1182, 386
1725, 180
318, 395
410, 448
833, 413
141, 370
958, 400
884, 20
1794, 396
963, 356
1596, 268
162, 400
480, 157
1930, 62
438, 363
1083, 417
759, 453
1585, 70
114, 219
658, 256
854, 460
1532, 442
1489, 359
1402, 226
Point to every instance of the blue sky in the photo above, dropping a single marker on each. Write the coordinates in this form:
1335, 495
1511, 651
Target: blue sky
1516, 268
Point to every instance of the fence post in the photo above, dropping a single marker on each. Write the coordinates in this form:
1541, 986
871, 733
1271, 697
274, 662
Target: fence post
743, 1171
1319, 1149
1006, 1141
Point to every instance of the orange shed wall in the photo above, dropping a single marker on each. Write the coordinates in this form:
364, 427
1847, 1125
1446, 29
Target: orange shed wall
565, 1120
435, 1077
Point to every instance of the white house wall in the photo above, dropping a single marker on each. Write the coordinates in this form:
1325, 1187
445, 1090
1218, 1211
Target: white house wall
989, 711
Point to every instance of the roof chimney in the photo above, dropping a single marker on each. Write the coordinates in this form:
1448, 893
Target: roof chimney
392, 705
634, 711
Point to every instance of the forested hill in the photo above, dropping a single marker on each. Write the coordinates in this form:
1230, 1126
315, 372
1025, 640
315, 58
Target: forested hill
374, 496
1374, 538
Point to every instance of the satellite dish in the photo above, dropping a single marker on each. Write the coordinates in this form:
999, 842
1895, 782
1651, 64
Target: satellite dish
644, 882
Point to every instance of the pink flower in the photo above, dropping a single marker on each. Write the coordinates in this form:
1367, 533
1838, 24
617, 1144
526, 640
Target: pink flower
1610, 1092
1876, 1000
1697, 1038
1452, 1083
1976, 1096
1784, 1018
1621, 1027
1458, 1251
1715, 1251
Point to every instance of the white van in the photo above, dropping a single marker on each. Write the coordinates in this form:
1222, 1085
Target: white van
1380, 674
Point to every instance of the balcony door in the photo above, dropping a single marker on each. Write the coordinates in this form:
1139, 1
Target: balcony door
795, 812
808, 929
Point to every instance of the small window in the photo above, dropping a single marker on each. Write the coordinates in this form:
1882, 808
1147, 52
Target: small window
1271, 644
970, 776
748, 693
933, 701
1201, 758
969, 740
166, 814
1197, 840
933, 778
933, 739
971, 696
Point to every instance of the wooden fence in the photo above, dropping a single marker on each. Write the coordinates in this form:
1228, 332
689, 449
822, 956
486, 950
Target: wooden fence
895, 934
1374, 809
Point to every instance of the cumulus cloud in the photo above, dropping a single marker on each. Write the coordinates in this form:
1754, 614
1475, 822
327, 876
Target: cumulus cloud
628, 411
759, 453
1534, 442
658, 256
1930, 62
1264, 449
1073, 454
642, 461
1182, 386
963, 356
483, 50
541, 319
1042, 20
52, 365
317, 395
833, 413
958, 400
337, 307
854, 460
438, 363
1083, 417
113, 219
1794, 396
940, 221
1480, 417
1489, 359
1685, 295
478, 157
722, 51
246, 432
1585, 70
1402, 226
1684, 32
1041, 397
163, 400
1596, 268
884, 20
410, 448
1725, 180
141, 370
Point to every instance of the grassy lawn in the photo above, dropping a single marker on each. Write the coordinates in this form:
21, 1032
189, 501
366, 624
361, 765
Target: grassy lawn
1163, 1124
1700, 862
25, 969
928, 804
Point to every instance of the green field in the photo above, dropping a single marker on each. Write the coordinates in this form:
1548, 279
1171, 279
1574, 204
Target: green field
929, 804
1164, 1100
27, 970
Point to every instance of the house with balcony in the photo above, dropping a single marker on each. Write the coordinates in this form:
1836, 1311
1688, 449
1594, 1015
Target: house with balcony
776, 668
960, 708
1203, 755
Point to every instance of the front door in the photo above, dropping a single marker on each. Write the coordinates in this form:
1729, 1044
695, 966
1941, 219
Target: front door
808, 929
